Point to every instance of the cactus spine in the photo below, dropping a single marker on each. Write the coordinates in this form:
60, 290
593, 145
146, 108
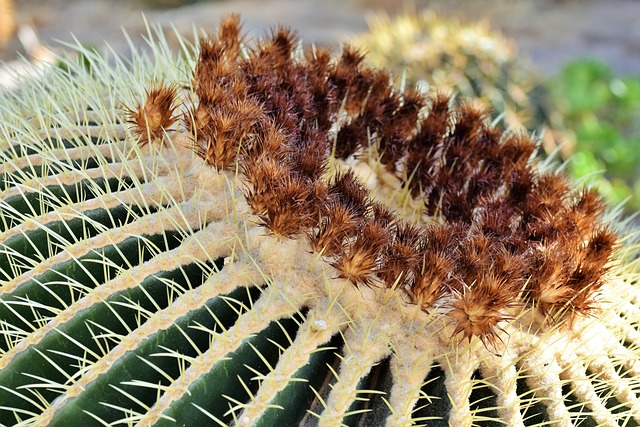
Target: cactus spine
230, 268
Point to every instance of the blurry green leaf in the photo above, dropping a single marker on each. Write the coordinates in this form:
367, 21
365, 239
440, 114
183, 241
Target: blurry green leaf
584, 164
603, 110
585, 86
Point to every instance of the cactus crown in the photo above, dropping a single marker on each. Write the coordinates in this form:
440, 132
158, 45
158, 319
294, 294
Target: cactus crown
498, 233
291, 239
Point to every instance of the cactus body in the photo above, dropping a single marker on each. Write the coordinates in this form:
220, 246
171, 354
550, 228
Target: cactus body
140, 287
468, 58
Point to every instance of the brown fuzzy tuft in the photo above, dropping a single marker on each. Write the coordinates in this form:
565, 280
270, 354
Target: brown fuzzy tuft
357, 259
479, 308
151, 120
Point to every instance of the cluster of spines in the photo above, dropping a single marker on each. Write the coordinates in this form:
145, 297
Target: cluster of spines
508, 234
151, 120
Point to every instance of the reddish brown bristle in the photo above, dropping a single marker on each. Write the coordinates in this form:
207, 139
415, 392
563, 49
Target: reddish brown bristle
480, 307
151, 120
230, 36
470, 118
291, 209
346, 188
600, 245
336, 222
401, 256
357, 259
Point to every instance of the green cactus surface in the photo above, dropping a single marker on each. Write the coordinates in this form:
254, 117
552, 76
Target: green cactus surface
167, 256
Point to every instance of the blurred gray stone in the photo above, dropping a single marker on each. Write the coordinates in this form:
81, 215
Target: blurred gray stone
549, 32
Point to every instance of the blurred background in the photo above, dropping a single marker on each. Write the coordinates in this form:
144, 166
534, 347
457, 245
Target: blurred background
567, 71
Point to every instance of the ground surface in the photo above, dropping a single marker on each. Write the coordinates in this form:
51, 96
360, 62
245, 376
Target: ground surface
549, 32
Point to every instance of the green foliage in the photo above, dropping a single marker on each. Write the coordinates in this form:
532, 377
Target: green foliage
603, 110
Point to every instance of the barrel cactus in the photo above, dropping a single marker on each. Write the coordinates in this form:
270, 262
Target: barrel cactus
472, 59
266, 234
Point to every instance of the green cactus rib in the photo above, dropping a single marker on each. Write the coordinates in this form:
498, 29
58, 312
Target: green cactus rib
74, 341
173, 337
137, 288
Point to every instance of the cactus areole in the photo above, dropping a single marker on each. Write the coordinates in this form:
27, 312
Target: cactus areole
273, 235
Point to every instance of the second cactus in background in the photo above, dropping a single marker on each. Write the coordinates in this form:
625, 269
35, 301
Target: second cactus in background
469, 59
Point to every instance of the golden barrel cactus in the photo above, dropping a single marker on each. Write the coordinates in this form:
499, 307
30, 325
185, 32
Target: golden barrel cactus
468, 58
272, 235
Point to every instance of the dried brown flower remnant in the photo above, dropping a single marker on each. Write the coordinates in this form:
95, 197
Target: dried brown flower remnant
291, 210
478, 309
229, 34
337, 221
151, 120
400, 256
357, 259
220, 132
509, 238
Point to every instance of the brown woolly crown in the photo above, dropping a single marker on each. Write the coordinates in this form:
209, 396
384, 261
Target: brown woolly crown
504, 235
